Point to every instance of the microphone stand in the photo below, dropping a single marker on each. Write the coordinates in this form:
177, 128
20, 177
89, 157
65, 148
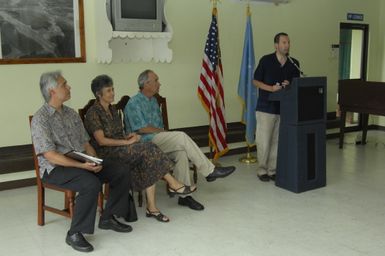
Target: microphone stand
296, 66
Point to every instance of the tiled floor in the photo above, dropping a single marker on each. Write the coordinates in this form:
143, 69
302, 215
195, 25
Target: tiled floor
243, 216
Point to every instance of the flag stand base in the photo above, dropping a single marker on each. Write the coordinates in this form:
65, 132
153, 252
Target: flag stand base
248, 159
215, 162
212, 160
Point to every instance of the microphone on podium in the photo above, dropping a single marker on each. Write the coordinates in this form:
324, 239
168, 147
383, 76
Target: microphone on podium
295, 65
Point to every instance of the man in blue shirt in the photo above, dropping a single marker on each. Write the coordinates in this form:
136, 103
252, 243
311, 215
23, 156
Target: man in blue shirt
274, 72
142, 115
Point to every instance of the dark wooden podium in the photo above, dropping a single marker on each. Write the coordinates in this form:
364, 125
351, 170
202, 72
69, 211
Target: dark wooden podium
301, 160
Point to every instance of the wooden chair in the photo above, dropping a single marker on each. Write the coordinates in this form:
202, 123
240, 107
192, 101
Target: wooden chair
69, 195
163, 109
82, 113
120, 107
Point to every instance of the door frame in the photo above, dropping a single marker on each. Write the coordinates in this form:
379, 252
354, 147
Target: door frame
364, 62
365, 46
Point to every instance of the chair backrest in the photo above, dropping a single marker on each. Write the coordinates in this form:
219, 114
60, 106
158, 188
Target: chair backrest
120, 105
35, 161
163, 109
83, 111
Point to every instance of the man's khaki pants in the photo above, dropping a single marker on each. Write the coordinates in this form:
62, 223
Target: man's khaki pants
180, 148
266, 138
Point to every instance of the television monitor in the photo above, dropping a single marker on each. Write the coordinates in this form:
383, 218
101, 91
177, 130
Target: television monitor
136, 15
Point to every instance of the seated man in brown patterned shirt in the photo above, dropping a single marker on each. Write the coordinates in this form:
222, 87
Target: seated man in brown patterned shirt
57, 129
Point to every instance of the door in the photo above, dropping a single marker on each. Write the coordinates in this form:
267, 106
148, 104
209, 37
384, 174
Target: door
353, 52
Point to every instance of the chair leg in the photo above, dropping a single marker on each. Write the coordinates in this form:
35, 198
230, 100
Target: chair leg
40, 205
66, 201
71, 203
140, 198
193, 168
342, 128
101, 202
103, 196
106, 190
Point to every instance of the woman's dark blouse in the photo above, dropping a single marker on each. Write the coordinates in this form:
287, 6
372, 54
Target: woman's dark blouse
99, 119
145, 161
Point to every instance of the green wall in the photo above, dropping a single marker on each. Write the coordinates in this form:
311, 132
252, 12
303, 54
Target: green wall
313, 25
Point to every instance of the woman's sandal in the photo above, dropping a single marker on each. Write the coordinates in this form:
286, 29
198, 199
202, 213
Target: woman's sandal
186, 190
157, 215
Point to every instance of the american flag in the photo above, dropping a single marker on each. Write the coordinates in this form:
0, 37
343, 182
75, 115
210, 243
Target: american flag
210, 90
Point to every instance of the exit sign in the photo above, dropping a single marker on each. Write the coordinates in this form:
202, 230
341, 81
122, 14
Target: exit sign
355, 16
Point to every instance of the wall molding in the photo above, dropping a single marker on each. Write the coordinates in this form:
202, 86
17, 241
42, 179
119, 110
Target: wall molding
16, 159
17, 184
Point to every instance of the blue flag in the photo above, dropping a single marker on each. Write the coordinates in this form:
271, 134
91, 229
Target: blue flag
246, 90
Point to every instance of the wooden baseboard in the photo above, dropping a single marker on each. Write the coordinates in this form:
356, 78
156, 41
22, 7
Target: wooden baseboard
16, 159
376, 127
19, 158
17, 183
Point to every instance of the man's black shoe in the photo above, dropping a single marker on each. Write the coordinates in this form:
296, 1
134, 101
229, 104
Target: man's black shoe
272, 177
79, 243
190, 202
220, 172
114, 225
264, 177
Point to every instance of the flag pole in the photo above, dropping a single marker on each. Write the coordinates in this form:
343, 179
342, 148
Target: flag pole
211, 158
211, 153
248, 159
215, 3
214, 12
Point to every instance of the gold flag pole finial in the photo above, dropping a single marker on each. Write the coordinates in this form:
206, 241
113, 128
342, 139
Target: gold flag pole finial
215, 6
248, 12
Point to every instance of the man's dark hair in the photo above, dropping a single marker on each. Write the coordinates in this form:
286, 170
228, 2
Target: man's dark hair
100, 82
278, 36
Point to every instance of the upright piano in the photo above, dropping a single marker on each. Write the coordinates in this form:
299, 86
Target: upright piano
362, 97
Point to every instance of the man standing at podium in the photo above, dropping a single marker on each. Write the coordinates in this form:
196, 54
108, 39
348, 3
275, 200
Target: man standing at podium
274, 72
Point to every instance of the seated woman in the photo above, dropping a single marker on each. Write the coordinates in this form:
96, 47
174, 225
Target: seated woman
145, 161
